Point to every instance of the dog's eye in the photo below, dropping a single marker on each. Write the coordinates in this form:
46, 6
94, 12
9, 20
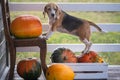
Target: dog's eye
49, 9
55, 9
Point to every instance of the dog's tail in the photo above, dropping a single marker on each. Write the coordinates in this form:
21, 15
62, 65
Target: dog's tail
96, 26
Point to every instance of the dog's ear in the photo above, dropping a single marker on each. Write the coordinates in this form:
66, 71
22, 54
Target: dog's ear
58, 12
44, 12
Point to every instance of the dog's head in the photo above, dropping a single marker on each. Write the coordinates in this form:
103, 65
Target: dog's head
52, 10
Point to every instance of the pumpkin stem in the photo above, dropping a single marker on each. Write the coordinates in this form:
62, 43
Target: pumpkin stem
65, 58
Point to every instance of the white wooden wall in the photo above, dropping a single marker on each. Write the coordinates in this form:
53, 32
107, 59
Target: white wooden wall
110, 27
33, 6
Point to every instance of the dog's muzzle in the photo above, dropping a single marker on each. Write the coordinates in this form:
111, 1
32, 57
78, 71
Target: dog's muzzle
52, 14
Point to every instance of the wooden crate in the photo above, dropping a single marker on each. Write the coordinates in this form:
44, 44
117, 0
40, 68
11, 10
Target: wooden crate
92, 71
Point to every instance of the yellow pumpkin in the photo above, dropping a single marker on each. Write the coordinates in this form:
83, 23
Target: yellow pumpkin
59, 72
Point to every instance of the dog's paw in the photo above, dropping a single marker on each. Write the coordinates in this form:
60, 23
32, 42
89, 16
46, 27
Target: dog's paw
43, 36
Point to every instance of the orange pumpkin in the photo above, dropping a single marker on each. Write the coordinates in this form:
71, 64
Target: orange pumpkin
59, 72
26, 26
29, 69
91, 57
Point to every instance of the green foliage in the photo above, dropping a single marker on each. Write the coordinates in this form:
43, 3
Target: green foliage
112, 58
22, 55
62, 38
97, 37
110, 37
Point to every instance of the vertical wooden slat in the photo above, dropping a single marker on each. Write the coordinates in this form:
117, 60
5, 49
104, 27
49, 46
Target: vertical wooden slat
2, 64
3, 53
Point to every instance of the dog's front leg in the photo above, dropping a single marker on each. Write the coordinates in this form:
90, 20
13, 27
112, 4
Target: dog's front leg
49, 33
87, 46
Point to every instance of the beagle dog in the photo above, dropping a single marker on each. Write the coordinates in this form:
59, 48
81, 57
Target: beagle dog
63, 22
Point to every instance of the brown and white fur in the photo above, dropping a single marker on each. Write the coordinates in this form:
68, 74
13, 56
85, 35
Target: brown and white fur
63, 22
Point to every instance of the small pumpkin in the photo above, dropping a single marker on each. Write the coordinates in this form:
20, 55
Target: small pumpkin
59, 72
29, 69
91, 57
63, 55
26, 26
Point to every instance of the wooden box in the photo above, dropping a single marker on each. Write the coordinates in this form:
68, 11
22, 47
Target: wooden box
92, 71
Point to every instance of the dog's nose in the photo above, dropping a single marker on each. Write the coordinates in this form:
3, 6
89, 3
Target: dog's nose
52, 15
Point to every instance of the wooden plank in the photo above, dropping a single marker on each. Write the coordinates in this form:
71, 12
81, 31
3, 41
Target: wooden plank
114, 72
2, 47
90, 64
108, 27
3, 76
1, 35
32, 6
91, 76
88, 67
2, 64
80, 47
91, 70
1, 23
74, 47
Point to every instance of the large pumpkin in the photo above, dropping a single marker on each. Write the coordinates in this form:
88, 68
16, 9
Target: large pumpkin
29, 69
59, 72
63, 55
26, 26
91, 57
